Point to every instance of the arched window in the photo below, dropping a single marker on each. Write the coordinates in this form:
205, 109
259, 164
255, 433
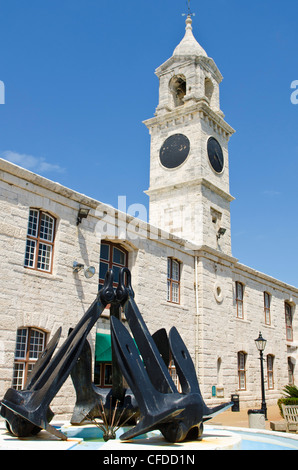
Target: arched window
30, 343
289, 321
239, 299
208, 88
112, 256
267, 301
242, 356
173, 281
40, 241
178, 89
270, 376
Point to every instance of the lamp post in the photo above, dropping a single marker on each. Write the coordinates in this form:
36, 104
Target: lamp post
261, 344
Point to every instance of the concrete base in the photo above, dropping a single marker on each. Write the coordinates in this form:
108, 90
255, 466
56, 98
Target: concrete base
84, 438
282, 427
256, 420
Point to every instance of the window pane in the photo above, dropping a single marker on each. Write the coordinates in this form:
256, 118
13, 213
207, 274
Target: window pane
267, 300
21, 345
288, 315
108, 374
118, 256
18, 376
30, 253
267, 316
169, 267
44, 257
175, 292
116, 271
33, 223
46, 227
36, 344
174, 375
103, 268
242, 380
289, 334
104, 252
241, 361
169, 291
175, 270
239, 293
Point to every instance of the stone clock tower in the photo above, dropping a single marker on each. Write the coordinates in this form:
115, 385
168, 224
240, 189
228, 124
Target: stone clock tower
189, 166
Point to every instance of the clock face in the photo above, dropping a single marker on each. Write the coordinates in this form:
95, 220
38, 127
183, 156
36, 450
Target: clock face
174, 151
215, 155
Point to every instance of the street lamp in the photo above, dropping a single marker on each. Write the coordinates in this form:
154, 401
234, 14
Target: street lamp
261, 344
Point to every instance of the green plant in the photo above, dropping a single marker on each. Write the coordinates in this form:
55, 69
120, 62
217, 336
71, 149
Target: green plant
290, 391
290, 397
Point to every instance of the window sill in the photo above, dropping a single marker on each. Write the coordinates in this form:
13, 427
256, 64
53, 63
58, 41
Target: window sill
243, 320
172, 304
40, 274
292, 344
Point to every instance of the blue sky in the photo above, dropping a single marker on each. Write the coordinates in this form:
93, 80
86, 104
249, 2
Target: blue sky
79, 80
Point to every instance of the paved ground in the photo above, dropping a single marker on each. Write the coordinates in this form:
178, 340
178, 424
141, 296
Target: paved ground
240, 418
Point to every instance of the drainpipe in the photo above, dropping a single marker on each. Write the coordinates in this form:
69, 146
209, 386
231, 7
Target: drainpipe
197, 317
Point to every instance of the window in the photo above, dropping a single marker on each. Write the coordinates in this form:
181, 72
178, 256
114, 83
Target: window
103, 360
242, 370
239, 300
270, 378
291, 367
103, 375
173, 281
178, 89
174, 375
208, 88
40, 241
289, 320
267, 300
30, 343
111, 257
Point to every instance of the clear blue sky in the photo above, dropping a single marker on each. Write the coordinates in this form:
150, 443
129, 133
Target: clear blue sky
79, 81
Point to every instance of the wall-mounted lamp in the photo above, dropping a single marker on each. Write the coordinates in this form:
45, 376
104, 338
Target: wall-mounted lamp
221, 232
82, 214
88, 272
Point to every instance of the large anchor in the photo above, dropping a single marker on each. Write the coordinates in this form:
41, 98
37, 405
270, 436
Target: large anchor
153, 398
92, 401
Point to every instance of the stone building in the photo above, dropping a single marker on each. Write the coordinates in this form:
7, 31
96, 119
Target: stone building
183, 270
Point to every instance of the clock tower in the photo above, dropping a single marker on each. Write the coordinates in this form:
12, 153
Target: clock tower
189, 165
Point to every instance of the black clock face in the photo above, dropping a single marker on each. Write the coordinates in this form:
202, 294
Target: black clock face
174, 151
215, 155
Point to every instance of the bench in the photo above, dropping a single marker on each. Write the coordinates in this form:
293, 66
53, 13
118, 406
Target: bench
290, 413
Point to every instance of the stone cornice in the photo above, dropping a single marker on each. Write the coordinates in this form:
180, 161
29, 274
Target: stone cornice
195, 182
200, 107
15, 171
206, 62
243, 270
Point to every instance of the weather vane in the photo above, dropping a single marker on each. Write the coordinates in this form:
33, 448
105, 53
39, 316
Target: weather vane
189, 13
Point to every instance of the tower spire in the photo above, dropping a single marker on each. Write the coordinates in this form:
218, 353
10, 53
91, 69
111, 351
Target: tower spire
189, 13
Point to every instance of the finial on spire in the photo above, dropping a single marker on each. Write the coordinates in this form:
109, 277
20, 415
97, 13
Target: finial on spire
189, 14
